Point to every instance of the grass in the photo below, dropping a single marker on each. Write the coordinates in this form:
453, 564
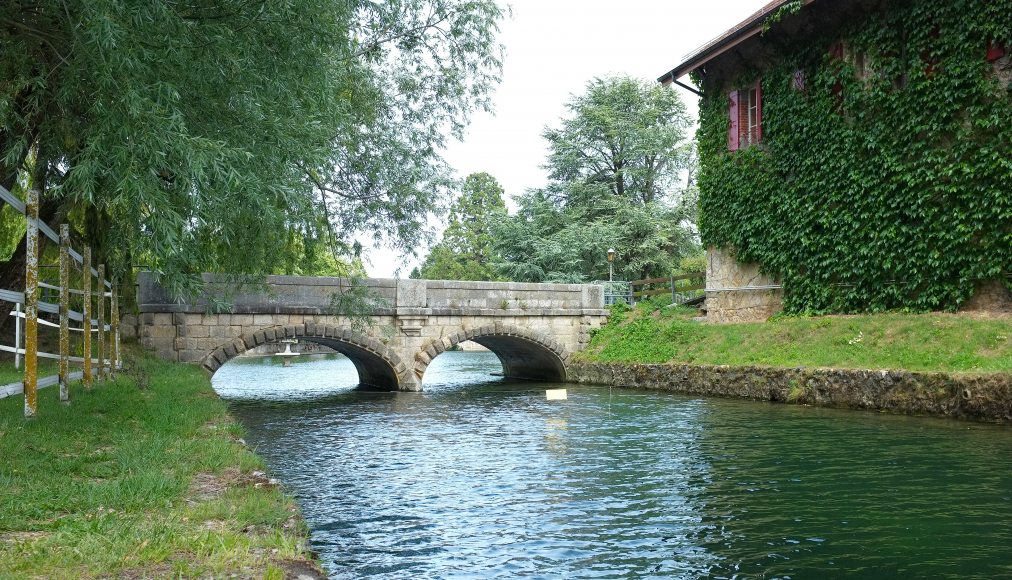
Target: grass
144, 476
917, 342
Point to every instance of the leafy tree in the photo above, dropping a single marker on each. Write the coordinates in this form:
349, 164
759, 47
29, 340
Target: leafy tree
614, 169
466, 250
625, 138
192, 136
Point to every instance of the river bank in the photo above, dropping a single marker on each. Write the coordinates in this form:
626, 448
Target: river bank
976, 397
951, 365
144, 476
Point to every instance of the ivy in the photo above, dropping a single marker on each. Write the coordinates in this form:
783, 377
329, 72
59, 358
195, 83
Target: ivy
894, 193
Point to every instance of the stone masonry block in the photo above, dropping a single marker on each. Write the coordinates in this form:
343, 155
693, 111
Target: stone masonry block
423, 357
431, 351
243, 319
167, 331
220, 332
220, 355
411, 294
198, 331
211, 364
191, 356
263, 319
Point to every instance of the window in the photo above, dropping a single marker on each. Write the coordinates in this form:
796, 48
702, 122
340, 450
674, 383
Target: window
752, 132
746, 117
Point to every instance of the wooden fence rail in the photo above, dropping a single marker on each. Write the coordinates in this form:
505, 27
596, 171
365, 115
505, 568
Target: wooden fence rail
108, 362
682, 288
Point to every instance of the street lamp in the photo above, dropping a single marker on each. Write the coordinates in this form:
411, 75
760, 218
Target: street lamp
611, 264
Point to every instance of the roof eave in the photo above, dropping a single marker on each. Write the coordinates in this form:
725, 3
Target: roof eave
744, 31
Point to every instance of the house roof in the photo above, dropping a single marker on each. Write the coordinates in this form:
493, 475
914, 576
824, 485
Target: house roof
749, 28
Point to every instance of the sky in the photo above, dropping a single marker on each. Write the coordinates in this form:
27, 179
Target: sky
553, 48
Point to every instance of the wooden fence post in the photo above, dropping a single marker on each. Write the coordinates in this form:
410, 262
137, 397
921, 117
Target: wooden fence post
17, 335
114, 347
101, 322
31, 383
64, 312
87, 317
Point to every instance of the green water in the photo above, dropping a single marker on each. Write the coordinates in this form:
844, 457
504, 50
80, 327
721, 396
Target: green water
480, 478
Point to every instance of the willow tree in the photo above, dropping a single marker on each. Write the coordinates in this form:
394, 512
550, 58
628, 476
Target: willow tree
192, 136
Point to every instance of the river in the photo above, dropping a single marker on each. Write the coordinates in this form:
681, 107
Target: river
480, 477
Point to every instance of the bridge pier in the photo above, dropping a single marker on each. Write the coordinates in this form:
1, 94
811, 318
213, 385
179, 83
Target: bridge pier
532, 328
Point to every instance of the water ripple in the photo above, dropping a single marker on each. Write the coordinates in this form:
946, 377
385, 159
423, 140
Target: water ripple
480, 478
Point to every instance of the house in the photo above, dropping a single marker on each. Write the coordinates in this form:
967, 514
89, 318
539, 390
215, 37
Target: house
856, 155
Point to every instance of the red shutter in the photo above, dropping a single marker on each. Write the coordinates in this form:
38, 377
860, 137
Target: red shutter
758, 138
994, 51
732, 130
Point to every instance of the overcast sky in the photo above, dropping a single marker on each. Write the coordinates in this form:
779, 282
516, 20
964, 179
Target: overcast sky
553, 47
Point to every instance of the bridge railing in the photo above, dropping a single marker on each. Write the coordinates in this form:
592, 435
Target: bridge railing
28, 306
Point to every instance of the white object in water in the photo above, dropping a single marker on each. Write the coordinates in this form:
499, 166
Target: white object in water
556, 394
288, 354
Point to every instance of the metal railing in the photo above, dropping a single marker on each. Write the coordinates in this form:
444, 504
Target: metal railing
107, 359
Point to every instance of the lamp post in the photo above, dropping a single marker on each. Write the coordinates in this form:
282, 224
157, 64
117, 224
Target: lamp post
611, 264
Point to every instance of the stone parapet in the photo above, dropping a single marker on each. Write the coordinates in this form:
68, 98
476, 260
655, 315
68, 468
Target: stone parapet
976, 397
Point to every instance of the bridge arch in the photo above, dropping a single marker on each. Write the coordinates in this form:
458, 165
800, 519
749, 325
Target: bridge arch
378, 366
524, 353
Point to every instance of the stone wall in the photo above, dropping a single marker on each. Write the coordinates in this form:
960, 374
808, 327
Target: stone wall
737, 292
974, 397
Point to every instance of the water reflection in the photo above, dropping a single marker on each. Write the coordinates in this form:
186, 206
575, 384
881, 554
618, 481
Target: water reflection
481, 477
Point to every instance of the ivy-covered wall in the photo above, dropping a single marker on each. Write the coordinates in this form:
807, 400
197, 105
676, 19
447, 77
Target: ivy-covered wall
886, 182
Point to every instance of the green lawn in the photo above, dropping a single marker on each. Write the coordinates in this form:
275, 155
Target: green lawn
145, 476
918, 342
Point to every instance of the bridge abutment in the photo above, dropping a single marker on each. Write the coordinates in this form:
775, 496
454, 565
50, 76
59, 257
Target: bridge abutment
533, 328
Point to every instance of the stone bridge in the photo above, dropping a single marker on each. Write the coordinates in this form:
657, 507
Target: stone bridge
532, 328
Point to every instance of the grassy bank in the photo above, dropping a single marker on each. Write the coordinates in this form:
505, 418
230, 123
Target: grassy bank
917, 342
146, 476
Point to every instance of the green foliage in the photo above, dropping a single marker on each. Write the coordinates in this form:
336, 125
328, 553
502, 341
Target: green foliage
692, 264
918, 342
109, 486
895, 195
613, 167
201, 136
466, 250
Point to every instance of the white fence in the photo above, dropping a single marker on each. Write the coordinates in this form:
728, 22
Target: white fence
28, 307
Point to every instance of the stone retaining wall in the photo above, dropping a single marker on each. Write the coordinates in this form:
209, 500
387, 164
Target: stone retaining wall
986, 397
